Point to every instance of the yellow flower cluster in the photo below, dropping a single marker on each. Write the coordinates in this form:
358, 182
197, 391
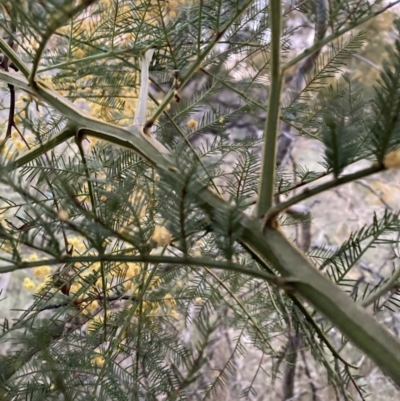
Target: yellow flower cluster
392, 159
130, 273
169, 300
174, 314
151, 308
41, 272
28, 284
78, 244
94, 323
43, 285
98, 361
63, 215
90, 307
47, 80
192, 124
173, 7
161, 236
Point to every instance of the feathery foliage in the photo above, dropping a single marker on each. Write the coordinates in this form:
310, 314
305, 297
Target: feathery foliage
152, 276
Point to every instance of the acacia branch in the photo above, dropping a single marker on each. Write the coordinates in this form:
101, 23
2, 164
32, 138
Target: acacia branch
271, 246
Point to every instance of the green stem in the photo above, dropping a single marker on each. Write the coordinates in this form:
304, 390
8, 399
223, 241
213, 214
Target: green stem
54, 141
155, 259
382, 291
267, 180
308, 192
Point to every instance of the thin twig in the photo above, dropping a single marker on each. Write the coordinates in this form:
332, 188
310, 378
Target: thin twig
110, 298
307, 193
388, 287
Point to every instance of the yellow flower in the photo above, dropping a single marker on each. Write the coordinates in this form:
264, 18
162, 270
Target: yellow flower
169, 300
146, 306
96, 266
98, 361
93, 306
75, 288
34, 257
161, 236
19, 145
154, 308
126, 231
124, 121
136, 196
46, 80
28, 284
77, 243
198, 300
94, 323
155, 282
196, 253
96, 110
35, 45
62, 215
41, 287
41, 271
174, 314
101, 175
173, 3
79, 53
14, 135
133, 270
23, 98
88, 307
129, 107
392, 159
192, 123
127, 285
99, 283
6, 248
